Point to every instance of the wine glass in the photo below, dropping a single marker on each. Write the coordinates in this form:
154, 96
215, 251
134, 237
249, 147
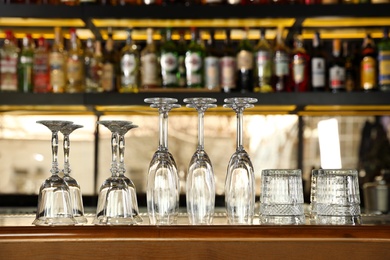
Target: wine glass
162, 194
240, 179
200, 189
122, 169
54, 203
114, 202
75, 191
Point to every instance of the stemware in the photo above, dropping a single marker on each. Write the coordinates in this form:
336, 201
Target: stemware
122, 169
114, 201
74, 188
54, 203
240, 179
200, 187
162, 193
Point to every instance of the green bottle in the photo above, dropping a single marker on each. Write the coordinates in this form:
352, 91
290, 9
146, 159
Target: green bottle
194, 61
384, 61
169, 61
25, 65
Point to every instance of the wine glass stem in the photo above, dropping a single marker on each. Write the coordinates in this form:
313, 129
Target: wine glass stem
114, 150
239, 129
121, 154
66, 154
163, 143
200, 130
54, 150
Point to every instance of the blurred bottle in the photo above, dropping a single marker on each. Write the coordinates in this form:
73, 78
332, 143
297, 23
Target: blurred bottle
350, 1
228, 65
384, 61
70, 2
75, 65
41, 67
93, 67
368, 65
8, 64
110, 60
150, 68
234, 2
318, 65
194, 61
299, 66
380, 1
57, 62
169, 61
245, 65
88, 2
330, 2
152, 2
182, 48
350, 68
129, 66
25, 65
281, 60
211, 64
337, 68
312, 2
263, 64
213, 2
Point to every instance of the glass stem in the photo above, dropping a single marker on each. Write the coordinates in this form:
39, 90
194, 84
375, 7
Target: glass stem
239, 129
114, 150
163, 143
121, 155
200, 130
54, 150
66, 155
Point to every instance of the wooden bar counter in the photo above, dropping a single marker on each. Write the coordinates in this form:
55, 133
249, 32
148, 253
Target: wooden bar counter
195, 242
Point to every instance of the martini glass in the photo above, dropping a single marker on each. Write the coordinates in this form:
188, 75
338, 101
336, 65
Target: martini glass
122, 169
240, 179
75, 191
162, 193
54, 202
200, 179
114, 202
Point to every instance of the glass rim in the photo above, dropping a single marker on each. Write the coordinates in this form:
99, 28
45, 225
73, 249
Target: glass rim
340, 172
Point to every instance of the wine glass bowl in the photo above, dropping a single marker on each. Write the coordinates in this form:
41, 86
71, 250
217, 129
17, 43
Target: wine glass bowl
163, 181
116, 198
74, 188
54, 199
240, 179
200, 185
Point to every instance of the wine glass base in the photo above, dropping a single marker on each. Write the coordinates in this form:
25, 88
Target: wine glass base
338, 220
55, 221
282, 219
81, 219
115, 221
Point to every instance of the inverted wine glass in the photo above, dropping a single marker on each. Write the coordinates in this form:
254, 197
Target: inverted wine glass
200, 185
114, 202
74, 188
240, 179
54, 203
122, 169
162, 193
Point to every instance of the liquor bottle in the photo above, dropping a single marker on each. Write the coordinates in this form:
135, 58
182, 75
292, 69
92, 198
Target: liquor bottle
263, 64
300, 61
57, 60
8, 64
150, 68
281, 60
368, 65
194, 61
384, 61
245, 66
89, 52
228, 65
25, 65
129, 66
318, 65
182, 48
93, 66
337, 68
169, 62
110, 58
74, 65
41, 68
350, 69
211, 64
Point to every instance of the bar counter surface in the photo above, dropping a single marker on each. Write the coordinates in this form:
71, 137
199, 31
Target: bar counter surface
19, 240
